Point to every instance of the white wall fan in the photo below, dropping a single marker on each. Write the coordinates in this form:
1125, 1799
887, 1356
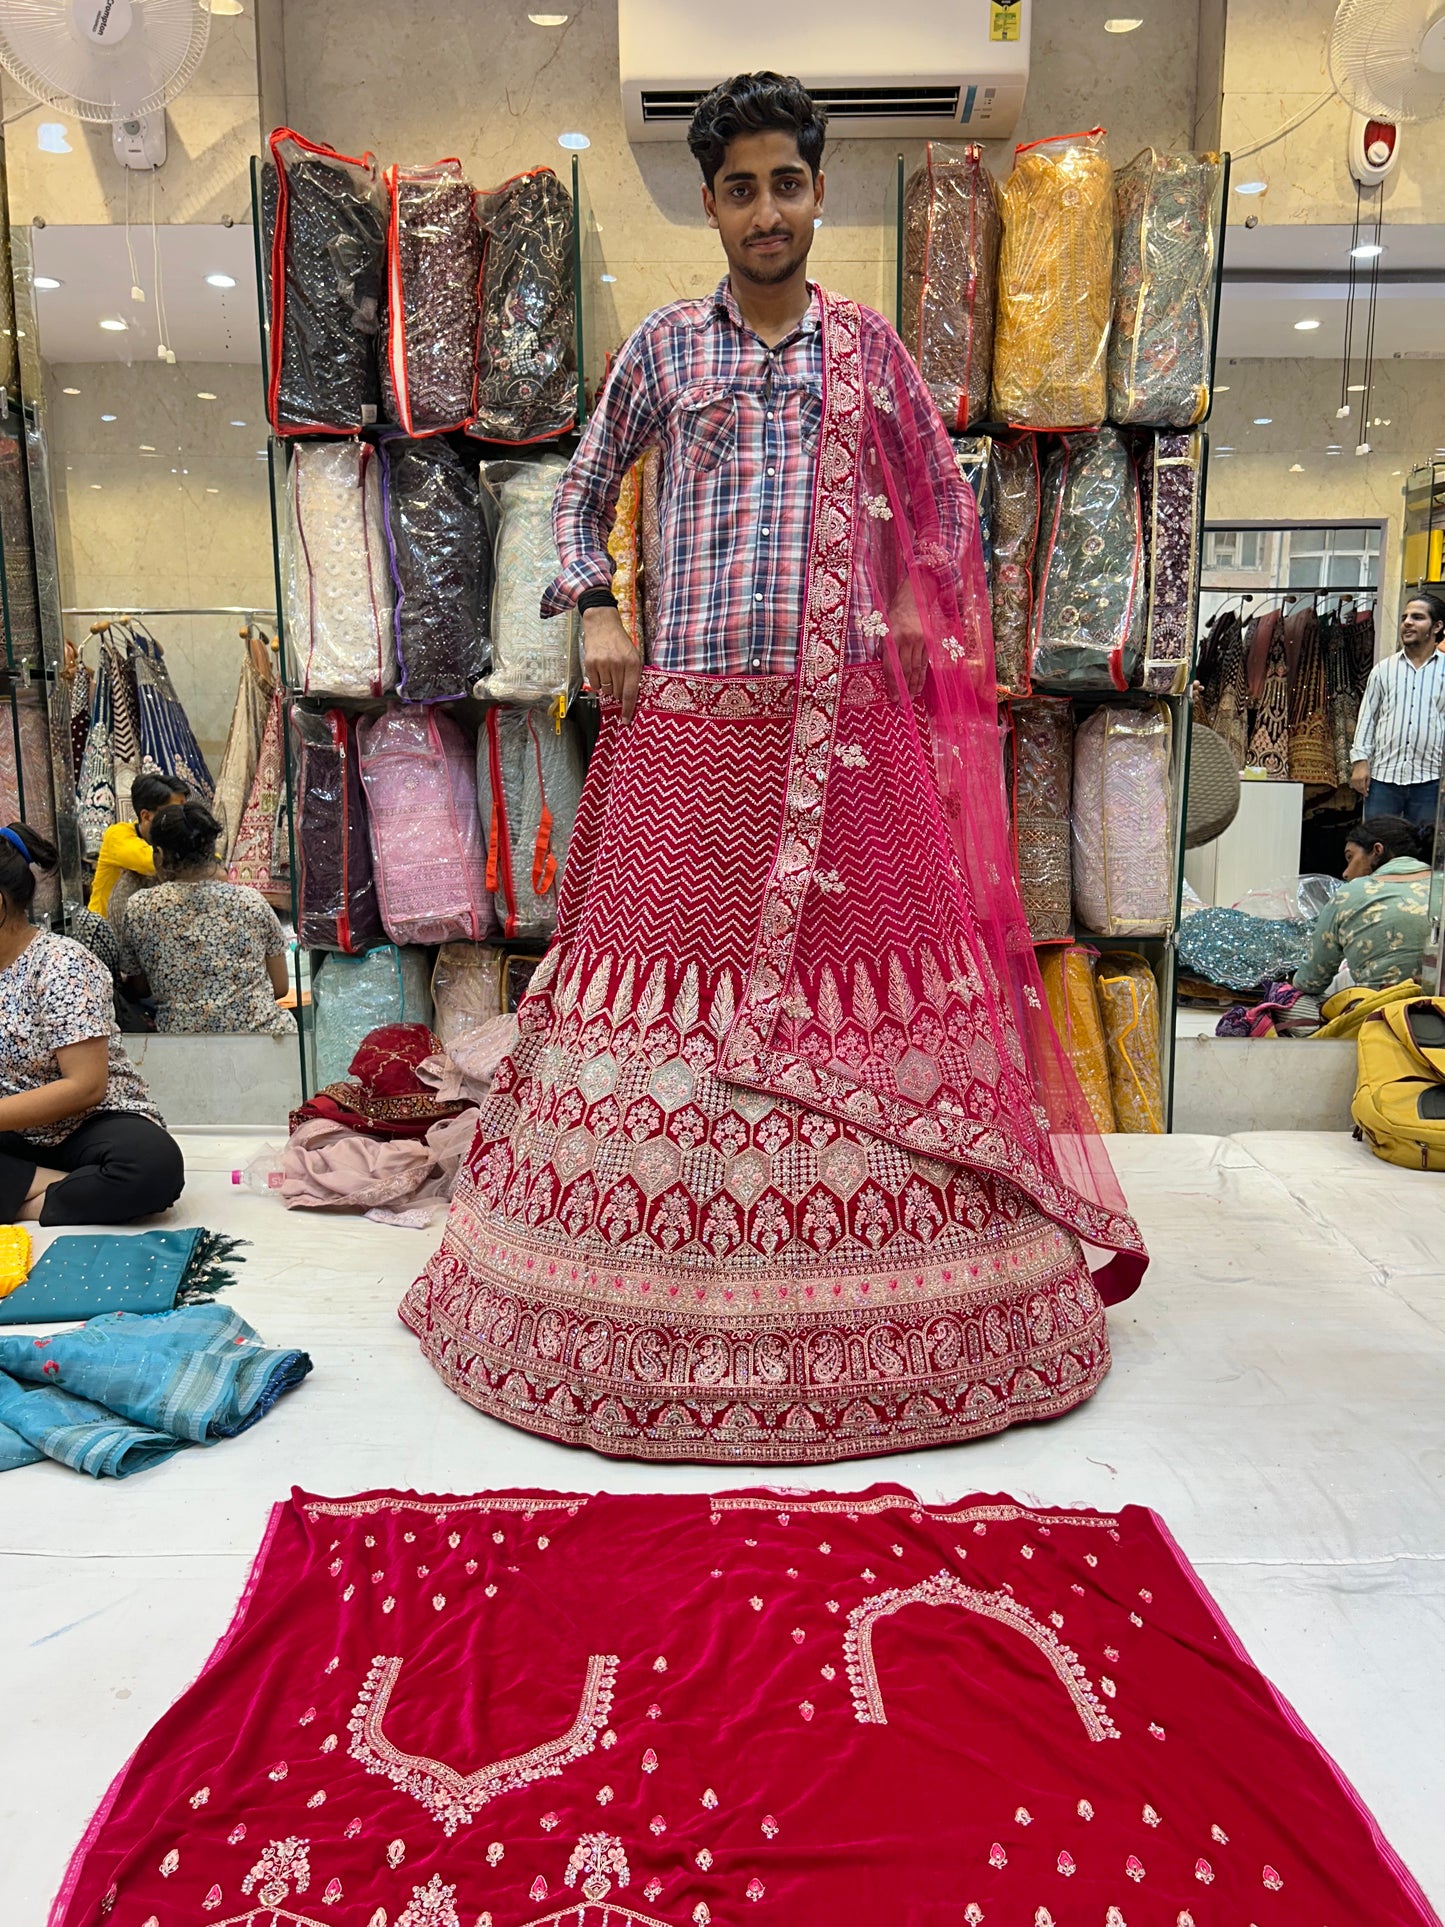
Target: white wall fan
1387, 62
111, 62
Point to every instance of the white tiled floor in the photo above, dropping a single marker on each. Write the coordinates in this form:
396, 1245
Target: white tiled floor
1278, 1395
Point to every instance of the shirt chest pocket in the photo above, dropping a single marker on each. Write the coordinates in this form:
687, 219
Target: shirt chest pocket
707, 426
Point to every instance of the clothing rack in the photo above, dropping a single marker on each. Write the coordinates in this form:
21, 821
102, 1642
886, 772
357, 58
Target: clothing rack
249, 610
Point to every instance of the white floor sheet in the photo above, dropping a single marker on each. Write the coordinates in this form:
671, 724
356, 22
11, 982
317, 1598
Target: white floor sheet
1278, 1395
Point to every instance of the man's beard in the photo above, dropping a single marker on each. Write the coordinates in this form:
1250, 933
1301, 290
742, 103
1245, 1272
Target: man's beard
766, 273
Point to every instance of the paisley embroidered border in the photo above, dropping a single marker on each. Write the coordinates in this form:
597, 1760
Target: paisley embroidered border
943, 1589
454, 1798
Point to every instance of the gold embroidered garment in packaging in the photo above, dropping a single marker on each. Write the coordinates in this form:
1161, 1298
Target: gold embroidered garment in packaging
1073, 1000
1129, 1006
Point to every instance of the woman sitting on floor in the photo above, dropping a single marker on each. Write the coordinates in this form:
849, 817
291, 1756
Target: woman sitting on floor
1378, 924
210, 953
80, 1140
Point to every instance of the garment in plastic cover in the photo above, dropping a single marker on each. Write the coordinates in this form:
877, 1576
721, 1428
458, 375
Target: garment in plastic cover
339, 609
338, 906
324, 223
974, 457
1056, 266
466, 988
426, 841
440, 550
527, 360
529, 783
1171, 490
1129, 1008
1073, 1000
433, 268
1014, 503
1298, 899
1042, 769
1161, 343
624, 550
534, 657
1123, 858
353, 995
950, 277
1089, 615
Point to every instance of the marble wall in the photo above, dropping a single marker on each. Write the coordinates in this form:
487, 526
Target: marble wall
1282, 472
426, 79
1275, 66
185, 526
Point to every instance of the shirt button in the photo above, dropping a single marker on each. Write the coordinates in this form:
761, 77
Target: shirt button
757, 662
767, 531
772, 471
757, 598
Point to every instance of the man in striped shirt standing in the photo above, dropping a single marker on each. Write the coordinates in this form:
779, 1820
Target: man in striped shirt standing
1399, 741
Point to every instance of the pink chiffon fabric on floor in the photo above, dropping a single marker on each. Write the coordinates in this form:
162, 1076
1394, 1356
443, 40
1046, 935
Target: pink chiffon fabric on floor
536, 1708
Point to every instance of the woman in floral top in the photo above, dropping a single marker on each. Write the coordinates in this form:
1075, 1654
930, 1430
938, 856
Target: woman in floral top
80, 1140
1379, 922
210, 952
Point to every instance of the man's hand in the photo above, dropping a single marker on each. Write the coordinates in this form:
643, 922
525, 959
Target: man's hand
610, 658
1360, 777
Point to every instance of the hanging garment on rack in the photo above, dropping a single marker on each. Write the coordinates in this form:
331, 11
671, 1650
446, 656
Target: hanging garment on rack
25, 781
1224, 703
1042, 775
324, 225
1015, 475
427, 851
112, 759
70, 718
1167, 209
534, 658
336, 892
527, 355
1171, 488
529, 783
1073, 999
1123, 853
1089, 619
433, 261
1129, 1011
440, 553
1311, 738
951, 230
167, 742
339, 609
1268, 675
1055, 268
260, 853
243, 742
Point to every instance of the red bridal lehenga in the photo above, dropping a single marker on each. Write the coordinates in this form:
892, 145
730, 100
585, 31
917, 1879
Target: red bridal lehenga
751, 1710
787, 1165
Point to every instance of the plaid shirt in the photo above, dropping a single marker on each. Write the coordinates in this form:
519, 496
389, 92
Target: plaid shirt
738, 424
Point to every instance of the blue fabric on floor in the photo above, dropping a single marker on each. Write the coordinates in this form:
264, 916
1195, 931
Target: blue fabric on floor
123, 1392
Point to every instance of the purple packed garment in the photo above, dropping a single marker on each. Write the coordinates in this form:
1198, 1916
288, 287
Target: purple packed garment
338, 906
433, 268
426, 839
1171, 488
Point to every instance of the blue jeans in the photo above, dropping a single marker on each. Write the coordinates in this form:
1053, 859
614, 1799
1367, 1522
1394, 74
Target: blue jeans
1416, 802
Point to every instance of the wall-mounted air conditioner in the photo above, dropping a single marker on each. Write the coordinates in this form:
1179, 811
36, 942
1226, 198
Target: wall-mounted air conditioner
910, 67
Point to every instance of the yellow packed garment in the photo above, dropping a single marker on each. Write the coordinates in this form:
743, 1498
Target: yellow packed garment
622, 548
1056, 267
1068, 974
1129, 1006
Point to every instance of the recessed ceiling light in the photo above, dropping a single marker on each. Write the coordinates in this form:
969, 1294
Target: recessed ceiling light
70, 391
48, 281
95, 485
574, 143
1296, 468
204, 394
549, 19
1228, 449
113, 325
146, 449
220, 280
213, 491
238, 424
1304, 327
1355, 388
1263, 421
227, 7
1121, 25
107, 418
1367, 251
1250, 187
1221, 388
608, 279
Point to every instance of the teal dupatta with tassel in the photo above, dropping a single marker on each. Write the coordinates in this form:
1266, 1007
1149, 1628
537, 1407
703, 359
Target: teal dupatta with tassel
86, 1275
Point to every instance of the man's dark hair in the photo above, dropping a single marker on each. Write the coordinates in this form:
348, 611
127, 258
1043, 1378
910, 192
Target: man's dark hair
1431, 602
152, 792
756, 104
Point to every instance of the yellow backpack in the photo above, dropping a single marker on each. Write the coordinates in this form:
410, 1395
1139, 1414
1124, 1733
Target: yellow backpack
1399, 1106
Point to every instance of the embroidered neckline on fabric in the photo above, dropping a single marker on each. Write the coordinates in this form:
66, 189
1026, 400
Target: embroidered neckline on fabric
455, 1798
943, 1589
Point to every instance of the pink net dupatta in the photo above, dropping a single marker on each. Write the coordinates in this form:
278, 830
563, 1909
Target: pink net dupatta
894, 982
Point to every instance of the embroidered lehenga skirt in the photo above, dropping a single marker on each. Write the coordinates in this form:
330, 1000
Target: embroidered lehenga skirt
646, 1259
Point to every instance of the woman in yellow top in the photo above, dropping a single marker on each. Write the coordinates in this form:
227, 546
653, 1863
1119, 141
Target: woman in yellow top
126, 847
